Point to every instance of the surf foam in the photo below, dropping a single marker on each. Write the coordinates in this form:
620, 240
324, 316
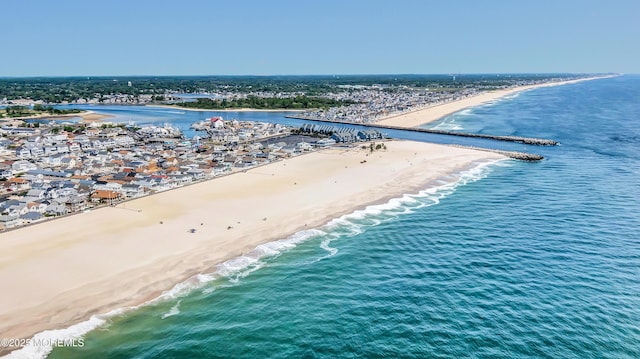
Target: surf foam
239, 267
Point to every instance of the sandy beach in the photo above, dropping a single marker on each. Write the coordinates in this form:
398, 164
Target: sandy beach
86, 117
91, 116
436, 112
61, 272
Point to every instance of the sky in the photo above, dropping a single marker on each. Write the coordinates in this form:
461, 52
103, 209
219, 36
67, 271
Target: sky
279, 37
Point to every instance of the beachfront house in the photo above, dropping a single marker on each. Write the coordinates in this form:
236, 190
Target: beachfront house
196, 173
9, 221
181, 179
220, 168
31, 217
55, 209
131, 190
75, 203
106, 196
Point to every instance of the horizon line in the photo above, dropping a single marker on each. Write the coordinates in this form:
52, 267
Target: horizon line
324, 75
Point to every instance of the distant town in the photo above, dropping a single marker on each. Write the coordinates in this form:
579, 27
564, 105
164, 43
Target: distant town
358, 99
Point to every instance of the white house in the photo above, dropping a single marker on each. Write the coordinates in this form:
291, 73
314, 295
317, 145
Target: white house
22, 166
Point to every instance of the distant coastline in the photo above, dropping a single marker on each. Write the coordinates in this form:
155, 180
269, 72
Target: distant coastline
436, 112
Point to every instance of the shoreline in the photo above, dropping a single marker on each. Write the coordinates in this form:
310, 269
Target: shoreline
436, 112
225, 110
125, 249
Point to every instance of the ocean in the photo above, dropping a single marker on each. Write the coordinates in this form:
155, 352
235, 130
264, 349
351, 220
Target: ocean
510, 260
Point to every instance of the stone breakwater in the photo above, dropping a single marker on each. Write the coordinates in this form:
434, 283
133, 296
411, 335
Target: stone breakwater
522, 156
518, 139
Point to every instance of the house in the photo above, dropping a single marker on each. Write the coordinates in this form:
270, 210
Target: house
23, 153
68, 162
344, 137
39, 207
50, 150
8, 221
75, 147
74, 203
56, 209
6, 173
368, 135
37, 152
325, 142
132, 190
18, 184
63, 148
304, 146
106, 196
108, 186
16, 209
221, 168
217, 122
53, 160
196, 173
22, 166
247, 161
31, 217
182, 179
35, 194
46, 174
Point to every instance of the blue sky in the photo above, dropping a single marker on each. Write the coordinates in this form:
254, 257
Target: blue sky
270, 37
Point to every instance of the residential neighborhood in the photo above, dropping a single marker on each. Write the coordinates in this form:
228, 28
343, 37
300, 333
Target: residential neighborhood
49, 169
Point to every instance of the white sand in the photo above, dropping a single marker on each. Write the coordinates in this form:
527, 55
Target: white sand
61, 272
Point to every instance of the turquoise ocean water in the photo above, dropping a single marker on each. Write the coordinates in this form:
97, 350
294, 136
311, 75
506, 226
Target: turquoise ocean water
514, 260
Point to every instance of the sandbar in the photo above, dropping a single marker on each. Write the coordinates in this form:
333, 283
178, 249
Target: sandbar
86, 116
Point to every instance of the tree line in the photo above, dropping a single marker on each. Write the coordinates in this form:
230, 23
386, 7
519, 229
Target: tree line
22, 111
60, 89
297, 102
